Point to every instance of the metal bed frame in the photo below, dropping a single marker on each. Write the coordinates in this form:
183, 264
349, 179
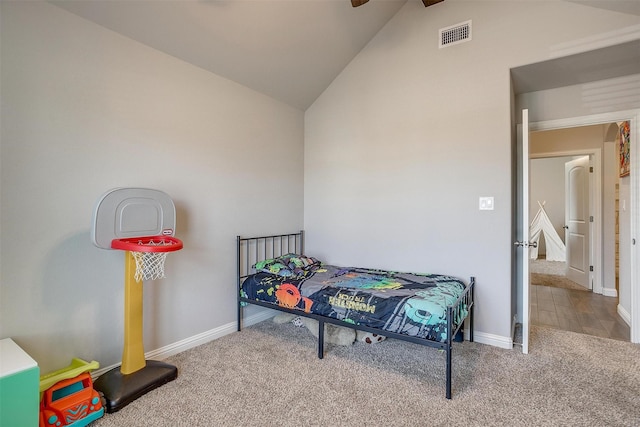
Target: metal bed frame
253, 249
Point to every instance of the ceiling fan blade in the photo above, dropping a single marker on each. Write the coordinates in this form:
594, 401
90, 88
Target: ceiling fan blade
428, 3
356, 3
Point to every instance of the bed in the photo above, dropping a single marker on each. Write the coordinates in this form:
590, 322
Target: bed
426, 309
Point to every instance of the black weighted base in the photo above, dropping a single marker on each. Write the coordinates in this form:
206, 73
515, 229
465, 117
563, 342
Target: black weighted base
119, 389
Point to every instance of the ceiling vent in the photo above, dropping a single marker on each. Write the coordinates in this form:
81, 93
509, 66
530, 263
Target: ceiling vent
455, 34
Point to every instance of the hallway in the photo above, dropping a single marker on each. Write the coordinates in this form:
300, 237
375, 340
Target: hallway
578, 311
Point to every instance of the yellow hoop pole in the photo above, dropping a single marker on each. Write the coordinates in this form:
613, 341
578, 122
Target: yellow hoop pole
133, 352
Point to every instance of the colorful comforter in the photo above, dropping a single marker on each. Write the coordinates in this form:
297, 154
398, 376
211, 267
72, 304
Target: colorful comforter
405, 303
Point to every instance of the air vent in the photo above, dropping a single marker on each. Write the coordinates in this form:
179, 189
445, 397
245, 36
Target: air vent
455, 34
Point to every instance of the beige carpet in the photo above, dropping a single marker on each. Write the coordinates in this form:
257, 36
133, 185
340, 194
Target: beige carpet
269, 375
555, 281
551, 273
541, 265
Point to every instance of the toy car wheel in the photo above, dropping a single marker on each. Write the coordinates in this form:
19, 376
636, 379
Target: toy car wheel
103, 400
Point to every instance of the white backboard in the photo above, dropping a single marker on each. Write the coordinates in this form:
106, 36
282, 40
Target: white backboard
132, 212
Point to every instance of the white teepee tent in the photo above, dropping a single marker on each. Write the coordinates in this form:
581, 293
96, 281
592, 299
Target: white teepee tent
541, 223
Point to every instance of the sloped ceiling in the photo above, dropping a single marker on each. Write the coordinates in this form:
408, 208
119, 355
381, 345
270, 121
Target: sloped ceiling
631, 7
290, 50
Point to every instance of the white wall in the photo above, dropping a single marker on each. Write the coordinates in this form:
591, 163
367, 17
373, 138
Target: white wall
85, 110
401, 145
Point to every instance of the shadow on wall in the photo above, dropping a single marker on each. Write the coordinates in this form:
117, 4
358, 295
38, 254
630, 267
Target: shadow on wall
79, 304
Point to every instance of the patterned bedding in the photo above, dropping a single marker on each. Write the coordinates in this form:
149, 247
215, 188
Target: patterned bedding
406, 303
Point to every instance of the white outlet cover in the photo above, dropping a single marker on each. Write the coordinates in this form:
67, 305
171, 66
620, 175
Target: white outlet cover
486, 203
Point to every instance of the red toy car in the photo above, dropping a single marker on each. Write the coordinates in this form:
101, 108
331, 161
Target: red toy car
71, 402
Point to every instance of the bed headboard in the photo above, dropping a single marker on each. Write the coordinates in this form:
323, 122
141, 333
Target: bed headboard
254, 249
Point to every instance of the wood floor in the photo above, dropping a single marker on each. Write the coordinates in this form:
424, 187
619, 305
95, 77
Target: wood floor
577, 311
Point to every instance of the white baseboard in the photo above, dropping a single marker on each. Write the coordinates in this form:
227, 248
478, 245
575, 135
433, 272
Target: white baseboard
196, 340
626, 316
213, 334
494, 340
609, 292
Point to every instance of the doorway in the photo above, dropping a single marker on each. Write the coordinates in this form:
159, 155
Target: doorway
556, 299
567, 143
562, 256
632, 292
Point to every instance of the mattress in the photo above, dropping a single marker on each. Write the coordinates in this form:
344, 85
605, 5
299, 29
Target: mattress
413, 304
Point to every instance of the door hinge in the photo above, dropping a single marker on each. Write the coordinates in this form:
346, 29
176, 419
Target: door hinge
591, 268
591, 218
591, 169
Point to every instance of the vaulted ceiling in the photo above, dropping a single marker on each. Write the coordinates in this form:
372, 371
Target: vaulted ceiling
290, 50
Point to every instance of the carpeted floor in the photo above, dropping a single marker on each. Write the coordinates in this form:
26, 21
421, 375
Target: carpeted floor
555, 282
551, 273
554, 268
269, 375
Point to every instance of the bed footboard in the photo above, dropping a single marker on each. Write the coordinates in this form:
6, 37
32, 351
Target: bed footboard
457, 313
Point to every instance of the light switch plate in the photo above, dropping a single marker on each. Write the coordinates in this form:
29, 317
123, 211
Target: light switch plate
486, 203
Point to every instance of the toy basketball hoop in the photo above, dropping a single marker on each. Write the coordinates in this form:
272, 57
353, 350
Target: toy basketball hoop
141, 222
150, 253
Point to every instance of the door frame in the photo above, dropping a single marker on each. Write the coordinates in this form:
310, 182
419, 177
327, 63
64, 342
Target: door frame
522, 227
634, 117
595, 203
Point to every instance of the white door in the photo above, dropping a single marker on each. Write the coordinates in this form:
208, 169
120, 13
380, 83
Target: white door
577, 220
522, 229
